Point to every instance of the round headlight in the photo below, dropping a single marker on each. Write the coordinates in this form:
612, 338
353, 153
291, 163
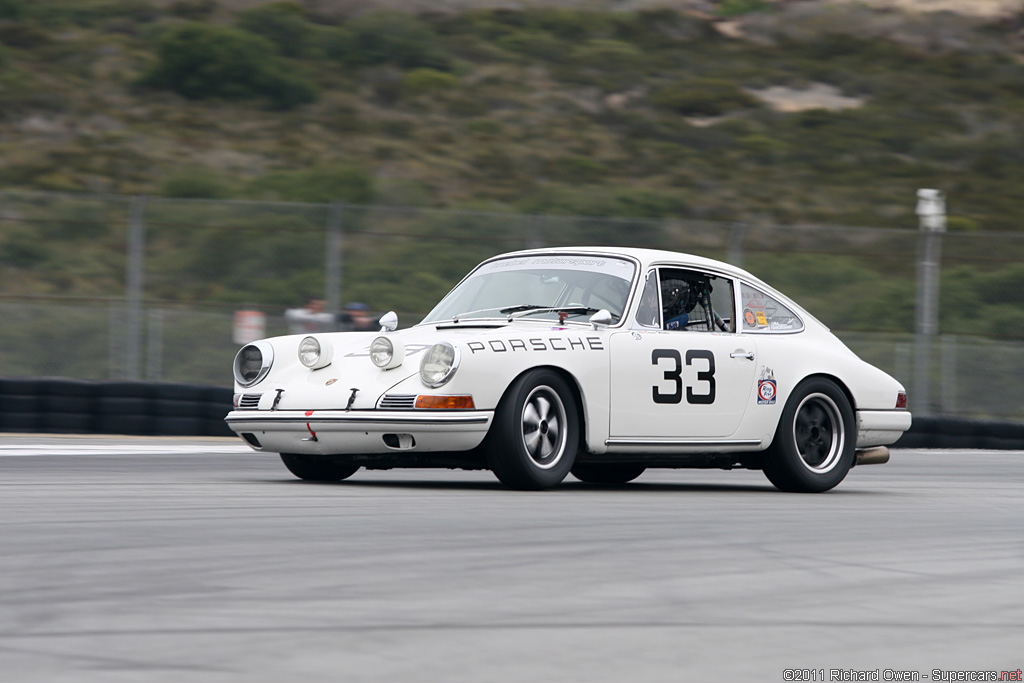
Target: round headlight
381, 351
315, 354
252, 363
309, 352
386, 353
439, 364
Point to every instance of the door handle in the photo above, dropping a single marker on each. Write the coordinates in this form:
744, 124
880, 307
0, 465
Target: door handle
749, 355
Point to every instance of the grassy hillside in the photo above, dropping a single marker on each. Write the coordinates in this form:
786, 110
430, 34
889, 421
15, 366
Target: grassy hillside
652, 113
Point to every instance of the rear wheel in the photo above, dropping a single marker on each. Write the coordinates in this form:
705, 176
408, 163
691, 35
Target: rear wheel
533, 440
318, 467
814, 443
607, 473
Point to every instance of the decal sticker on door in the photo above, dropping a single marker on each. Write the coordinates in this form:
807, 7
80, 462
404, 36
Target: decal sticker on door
767, 389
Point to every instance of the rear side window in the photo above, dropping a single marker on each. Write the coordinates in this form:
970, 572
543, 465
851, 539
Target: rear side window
764, 313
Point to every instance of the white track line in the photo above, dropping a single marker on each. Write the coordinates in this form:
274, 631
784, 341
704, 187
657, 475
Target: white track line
25, 450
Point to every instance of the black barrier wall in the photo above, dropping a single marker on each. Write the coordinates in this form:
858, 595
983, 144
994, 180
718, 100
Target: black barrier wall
948, 432
69, 406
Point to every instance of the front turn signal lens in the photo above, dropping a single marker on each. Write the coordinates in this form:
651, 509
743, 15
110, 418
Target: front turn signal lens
445, 403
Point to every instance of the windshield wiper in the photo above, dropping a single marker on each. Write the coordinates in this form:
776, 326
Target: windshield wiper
522, 307
530, 309
571, 310
456, 318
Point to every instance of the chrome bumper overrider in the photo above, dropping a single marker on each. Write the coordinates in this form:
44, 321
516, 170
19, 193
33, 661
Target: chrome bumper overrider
340, 432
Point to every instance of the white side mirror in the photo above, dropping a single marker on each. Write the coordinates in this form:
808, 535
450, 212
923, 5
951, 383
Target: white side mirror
602, 317
388, 322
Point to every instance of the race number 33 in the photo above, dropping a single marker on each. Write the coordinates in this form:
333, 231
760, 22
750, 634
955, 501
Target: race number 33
705, 377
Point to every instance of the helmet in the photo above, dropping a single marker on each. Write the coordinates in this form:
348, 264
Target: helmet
677, 297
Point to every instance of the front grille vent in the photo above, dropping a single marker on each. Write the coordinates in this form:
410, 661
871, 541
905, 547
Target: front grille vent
249, 402
398, 402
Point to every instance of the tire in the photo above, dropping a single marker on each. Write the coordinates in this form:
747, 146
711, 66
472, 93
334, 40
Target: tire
607, 473
814, 443
318, 467
535, 435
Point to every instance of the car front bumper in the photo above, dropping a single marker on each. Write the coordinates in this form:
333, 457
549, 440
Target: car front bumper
335, 432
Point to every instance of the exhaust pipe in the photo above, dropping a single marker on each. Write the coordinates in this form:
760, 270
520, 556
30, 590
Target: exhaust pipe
879, 455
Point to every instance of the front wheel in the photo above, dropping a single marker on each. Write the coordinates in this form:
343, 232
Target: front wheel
318, 467
814, 443
535, 435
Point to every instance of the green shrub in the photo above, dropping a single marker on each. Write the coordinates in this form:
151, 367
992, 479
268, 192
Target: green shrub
733, 8
484, 127
335, 42
570, 24
12, 9
703, 97
576, 169
762, 147
200, 61
282, 23
192, 9
22, 248
607, 55
535, 44
422, 81
91, 12
25, 35
318, 184
198, 183
962, 224
395, 37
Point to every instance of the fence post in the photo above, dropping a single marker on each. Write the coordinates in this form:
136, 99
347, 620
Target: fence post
115, 332
949, 373
535, 240
133, 287
735, 251
155, 346
931, 208
332, 265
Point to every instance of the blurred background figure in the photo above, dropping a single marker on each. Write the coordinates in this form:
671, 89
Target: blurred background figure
311, 318
356, 317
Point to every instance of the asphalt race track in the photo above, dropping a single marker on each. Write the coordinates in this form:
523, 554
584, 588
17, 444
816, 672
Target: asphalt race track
197, 560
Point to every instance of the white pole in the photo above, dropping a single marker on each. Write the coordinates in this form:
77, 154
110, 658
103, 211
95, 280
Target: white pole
931, 211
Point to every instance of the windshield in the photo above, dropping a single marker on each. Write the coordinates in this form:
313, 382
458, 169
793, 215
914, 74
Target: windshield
539, 287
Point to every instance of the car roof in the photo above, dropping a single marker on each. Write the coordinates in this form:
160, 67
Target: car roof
648, 257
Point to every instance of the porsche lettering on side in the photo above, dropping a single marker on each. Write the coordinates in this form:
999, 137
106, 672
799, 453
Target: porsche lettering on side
599, 362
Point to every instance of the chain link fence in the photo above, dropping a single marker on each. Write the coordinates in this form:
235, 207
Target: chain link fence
118, 287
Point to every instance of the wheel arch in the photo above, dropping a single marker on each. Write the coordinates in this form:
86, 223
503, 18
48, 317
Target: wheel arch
577, 395
814, 375
835, 380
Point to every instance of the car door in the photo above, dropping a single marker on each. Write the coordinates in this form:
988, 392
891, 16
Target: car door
691, 383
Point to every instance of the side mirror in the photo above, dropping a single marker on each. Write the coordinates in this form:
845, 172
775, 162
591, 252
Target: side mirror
602, 317
388, 322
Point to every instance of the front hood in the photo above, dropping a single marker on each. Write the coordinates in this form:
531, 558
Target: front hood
331, 387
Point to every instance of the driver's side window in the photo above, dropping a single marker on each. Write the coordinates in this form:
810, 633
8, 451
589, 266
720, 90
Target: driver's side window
687, 300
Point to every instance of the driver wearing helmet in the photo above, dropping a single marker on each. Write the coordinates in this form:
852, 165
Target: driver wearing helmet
678, 298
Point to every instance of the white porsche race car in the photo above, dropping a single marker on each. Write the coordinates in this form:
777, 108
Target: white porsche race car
600, 362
